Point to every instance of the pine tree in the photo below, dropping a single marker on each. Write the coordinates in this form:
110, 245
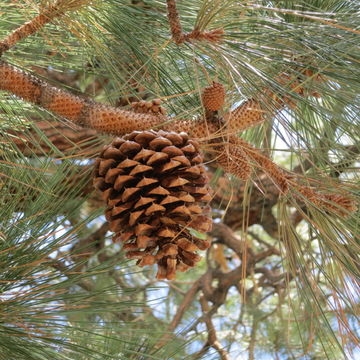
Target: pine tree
267, 91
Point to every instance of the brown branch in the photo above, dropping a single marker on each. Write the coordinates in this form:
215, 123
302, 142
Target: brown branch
351, 155
79, 110
277, 174
227, 237
342, 205
270, 274
47, 14
85, 112
213, 36
255, 111
176, 29
188, 298
215, 284
174, 22
272, 249
212, 340
252, 342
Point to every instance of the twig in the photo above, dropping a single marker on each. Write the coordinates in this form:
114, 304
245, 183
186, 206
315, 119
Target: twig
79, 110
176, 30
174, 22
340, 204
252, 342
259, 240
46, 15
226, 236
212, 340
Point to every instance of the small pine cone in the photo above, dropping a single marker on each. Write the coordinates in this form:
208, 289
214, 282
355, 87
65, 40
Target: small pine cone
245, 116
156, 189
340, 204
234, 161
213, 97
148, 107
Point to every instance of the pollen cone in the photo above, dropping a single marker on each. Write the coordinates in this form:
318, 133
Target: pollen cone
213, 96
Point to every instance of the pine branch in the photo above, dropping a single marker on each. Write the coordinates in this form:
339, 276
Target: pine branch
176, 29
215, 283
235, 152
212, 340
174, 21
79, 110
85, 112
255, 111
342, 205
46, 15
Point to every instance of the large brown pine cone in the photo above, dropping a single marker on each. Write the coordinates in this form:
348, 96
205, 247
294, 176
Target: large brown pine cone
156, 190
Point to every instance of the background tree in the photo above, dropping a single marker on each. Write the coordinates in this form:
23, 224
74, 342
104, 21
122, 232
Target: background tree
280, 279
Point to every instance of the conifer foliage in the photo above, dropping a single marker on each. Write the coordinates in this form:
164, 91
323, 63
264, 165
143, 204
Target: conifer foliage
222, 138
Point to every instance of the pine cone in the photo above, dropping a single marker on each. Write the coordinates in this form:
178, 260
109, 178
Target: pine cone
156, 190
213, 97
246, 115
148, 107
